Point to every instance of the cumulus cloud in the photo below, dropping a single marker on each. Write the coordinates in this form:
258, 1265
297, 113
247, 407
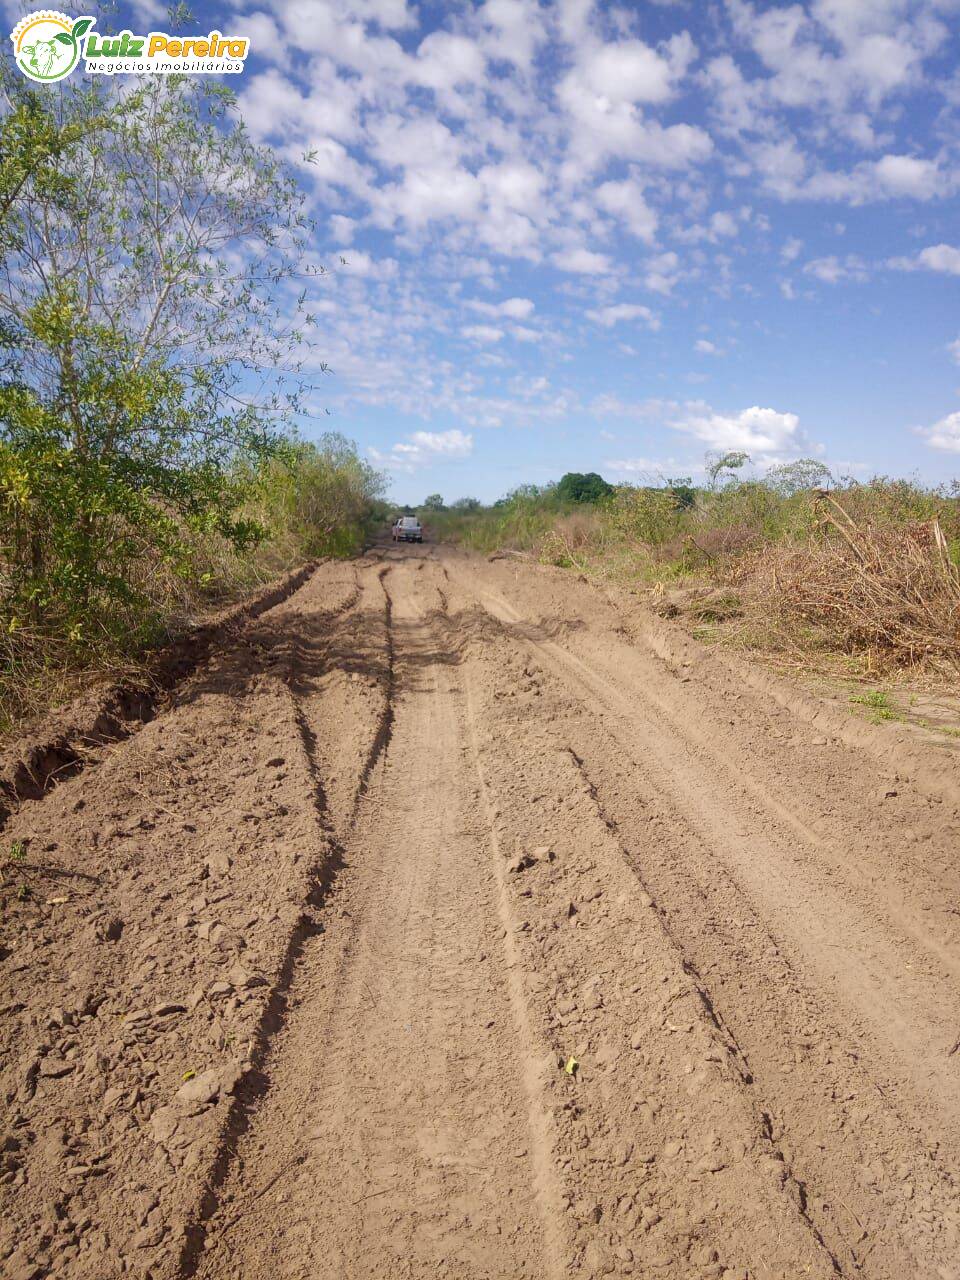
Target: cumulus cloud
841, 52
936, 257
833, 270
605, 94
625, 200
661, 273
463, 178
609, 316
766, 434
422, 448
482, 333
944, 435
513, 308
583, 262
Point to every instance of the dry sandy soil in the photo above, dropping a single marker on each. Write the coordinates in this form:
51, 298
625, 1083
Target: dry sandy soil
453, 919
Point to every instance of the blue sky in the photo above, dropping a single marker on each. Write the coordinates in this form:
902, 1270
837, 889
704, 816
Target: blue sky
612, 237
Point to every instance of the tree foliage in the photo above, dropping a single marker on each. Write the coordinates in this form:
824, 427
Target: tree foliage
578, 487
321, 495
684, 493
147, 249
791, 478
722, 467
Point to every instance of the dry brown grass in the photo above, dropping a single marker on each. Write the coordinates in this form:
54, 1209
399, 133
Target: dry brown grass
573, 540
886, 591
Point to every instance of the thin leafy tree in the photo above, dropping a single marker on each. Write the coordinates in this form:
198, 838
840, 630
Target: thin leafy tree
148, 302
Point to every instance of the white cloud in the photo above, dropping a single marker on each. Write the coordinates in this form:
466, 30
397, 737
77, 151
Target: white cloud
766, 434
936, 257
609, 316
517, 308
482, 333
831, 270
583, 262
662, 272
512, 308
723, 223
489, 144
423, 447
879, 53
630, 71
605, 92
944, 435
513, 30
625, 200
446, 61
954, 349
909, 176
514, 184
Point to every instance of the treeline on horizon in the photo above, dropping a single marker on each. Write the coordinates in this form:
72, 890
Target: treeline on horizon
818, 568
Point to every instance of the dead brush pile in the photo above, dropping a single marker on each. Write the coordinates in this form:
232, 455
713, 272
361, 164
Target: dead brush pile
886, 591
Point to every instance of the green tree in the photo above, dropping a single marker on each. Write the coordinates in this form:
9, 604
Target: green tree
321, 496
147, 253
465, 504
684, 494
433, 502
791, 478
723, 466
578, 487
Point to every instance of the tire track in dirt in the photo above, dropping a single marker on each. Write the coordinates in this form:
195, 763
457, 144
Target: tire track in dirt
381, 739
906, 1220
796, 1188
898, 1000
666, 1167
381, 868
68, 742
321, 878
104, 1160
883, 1199
415, 1160
557, 1247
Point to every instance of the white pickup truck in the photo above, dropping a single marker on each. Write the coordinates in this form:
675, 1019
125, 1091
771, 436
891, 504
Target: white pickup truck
408, 529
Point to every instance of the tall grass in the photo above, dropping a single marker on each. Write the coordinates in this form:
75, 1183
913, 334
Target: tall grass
865, 571
520, 524
317, 499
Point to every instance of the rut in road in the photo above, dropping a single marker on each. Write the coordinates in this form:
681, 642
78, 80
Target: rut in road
813, 925
390, 858
397, 1082
418, 1120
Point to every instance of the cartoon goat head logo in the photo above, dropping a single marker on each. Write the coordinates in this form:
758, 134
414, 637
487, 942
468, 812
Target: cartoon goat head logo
47, 45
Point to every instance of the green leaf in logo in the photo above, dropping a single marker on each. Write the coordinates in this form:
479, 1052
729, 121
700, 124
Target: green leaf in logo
63, 37
81, 27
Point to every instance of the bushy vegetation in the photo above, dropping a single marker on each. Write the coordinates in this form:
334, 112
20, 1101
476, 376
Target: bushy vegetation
795, 561
151, 290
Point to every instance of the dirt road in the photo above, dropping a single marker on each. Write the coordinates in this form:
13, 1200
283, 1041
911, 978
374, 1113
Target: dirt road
456, 920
